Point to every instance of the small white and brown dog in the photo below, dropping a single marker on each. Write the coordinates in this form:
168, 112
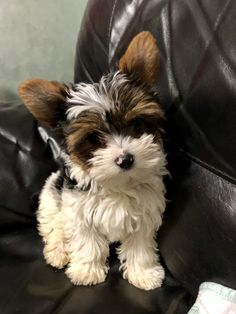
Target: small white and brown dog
110, 187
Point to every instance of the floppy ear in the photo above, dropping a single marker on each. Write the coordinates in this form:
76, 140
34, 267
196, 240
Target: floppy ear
141, 59
46, 100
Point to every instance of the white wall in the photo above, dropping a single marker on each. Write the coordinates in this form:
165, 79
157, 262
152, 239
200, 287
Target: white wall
37, 39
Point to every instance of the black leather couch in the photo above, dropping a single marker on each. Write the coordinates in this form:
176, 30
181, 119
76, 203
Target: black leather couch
197, 86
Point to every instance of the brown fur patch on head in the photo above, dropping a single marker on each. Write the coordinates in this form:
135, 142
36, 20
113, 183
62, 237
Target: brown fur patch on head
136, 112
141, 59
145, 117
46, 100
83, 136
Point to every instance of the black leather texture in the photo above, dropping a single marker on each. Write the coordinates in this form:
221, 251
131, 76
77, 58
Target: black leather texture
197, 88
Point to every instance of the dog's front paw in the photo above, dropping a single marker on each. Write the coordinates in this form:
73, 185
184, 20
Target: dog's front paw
86, 274
55, 255
146, 279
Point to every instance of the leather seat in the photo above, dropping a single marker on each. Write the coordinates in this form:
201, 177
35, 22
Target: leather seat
196, 85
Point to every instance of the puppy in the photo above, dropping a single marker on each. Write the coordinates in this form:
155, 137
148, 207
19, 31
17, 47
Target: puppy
110, 187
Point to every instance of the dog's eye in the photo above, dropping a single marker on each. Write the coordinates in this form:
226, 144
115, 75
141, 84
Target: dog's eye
93, 138
144, 125
138, 124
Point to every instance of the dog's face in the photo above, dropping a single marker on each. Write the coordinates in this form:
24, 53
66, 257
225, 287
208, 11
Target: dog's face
111, 128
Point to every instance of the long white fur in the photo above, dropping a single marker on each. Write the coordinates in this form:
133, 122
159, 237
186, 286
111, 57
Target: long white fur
127, 206
95, 97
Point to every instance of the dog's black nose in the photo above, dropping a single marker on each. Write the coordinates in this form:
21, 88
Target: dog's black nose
125, 161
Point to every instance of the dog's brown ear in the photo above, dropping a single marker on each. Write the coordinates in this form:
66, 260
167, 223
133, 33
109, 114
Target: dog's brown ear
141, 59
46, 100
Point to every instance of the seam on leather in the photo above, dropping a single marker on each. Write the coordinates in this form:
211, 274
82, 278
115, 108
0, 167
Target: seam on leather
221, 174
216, 27
109, 29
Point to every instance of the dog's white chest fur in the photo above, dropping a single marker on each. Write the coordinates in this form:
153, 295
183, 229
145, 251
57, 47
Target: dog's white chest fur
114, 214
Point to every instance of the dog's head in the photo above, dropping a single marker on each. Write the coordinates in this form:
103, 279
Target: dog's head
112, 128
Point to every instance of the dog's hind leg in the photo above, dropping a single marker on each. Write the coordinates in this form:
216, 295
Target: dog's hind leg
50, 223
